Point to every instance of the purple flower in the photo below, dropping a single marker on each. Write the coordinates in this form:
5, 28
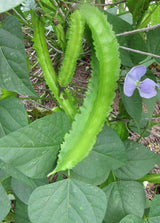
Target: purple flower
132, 81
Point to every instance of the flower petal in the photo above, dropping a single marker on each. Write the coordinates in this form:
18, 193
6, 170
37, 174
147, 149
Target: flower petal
129, 86
147, 88
137, 72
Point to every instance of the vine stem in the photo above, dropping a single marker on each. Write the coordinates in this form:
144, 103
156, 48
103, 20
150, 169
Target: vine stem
138, 30
140, 52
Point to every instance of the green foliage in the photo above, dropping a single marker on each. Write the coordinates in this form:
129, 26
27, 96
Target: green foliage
9, 4
131, 219
138, 10
21, 212
154, 213
12, 116
13, 66
123, 198
105, 156
105, 169
154, 42
40, 142
4, 203
134, 41
138, 157
67, 201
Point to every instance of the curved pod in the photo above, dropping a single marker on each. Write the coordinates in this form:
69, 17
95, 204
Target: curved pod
99, 98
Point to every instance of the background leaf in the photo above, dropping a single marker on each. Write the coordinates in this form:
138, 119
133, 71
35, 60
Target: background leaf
21, 212
139, 158
131, 219
134, 41
153, 42
4, 203
23, 191
13, 66
154, 213
5, 5
133, 105
150, 105
108, 153
124, 198
67, 201
33, 149
12, 116
138, 10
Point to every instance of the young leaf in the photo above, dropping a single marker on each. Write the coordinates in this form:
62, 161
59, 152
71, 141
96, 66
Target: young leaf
67, 201
139, 158
124, 198
4, 203
6, 5
12, 116
33, 149
105, 156
132, 219
13, 66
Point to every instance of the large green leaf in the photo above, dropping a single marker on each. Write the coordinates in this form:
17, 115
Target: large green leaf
12, 116
21, 212
154, 213
131, 219
153, 42
33, 149
124, 198
108, 153
134, 41
5, 5
139, 158
13, 66
4, 203
67, 201
23, 191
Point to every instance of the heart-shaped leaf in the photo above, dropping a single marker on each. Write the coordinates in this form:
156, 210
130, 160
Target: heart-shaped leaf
67, 201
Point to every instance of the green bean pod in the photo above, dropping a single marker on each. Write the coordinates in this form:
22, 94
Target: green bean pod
100, 95
74, 44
